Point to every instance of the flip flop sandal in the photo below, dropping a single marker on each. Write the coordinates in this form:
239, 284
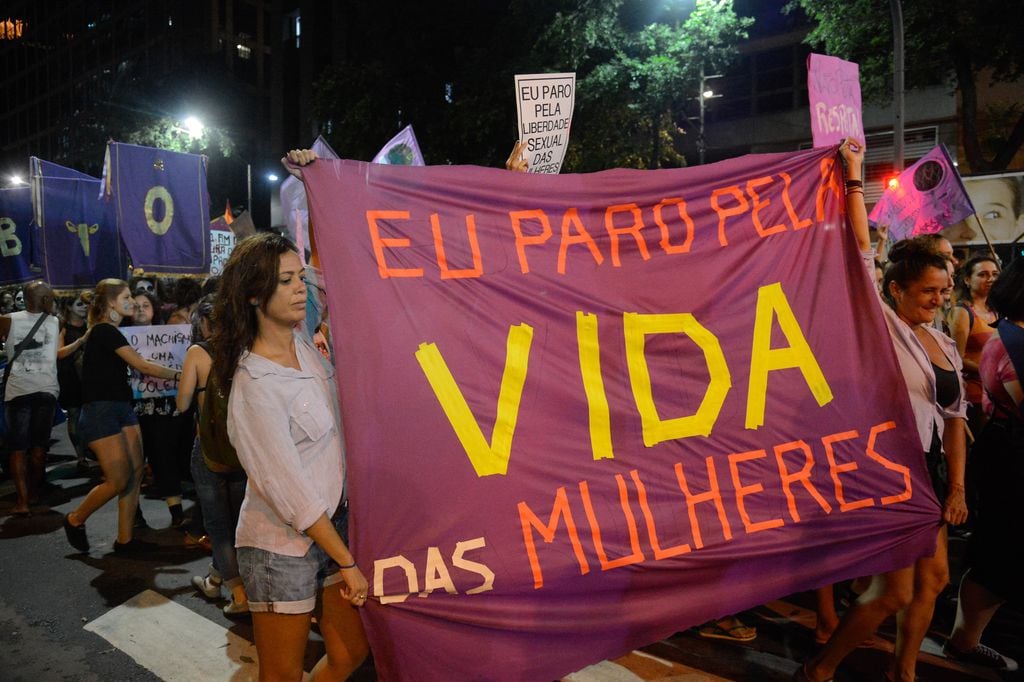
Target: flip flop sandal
737, 633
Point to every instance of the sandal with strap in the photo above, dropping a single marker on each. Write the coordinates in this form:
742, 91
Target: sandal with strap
737, 633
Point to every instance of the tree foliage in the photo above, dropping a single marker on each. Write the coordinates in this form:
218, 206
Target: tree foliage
637, 63
650, 71
969, 45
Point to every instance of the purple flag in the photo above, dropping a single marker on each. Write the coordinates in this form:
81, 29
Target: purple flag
48, 169
79, 241
833, 91
16, 235
162, 207
597, 409
925, 198
401, 150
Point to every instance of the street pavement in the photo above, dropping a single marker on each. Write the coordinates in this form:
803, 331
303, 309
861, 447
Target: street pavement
70, 616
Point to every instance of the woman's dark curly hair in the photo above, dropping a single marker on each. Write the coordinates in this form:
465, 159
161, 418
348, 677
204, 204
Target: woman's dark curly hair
202, 312
962, 286
1007, 295
249, 274
158, 313
908, 261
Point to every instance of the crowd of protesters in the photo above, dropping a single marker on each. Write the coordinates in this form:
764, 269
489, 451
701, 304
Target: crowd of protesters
255, 426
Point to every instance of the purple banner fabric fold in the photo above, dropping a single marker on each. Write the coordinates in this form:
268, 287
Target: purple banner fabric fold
16, 236
162, 207
926, 197
583, 412
79, 241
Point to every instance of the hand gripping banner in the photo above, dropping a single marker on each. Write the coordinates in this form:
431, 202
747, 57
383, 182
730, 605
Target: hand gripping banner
584, 412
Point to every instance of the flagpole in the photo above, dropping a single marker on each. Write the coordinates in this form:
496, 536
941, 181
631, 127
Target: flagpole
987, 240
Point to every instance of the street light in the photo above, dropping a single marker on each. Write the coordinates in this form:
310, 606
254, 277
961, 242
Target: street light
705, 94
272, 177
15, 181
194, 127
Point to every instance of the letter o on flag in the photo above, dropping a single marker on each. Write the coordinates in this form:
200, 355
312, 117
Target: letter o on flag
155, 193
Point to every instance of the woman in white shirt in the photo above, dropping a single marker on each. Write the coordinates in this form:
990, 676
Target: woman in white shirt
283, 421
915, 284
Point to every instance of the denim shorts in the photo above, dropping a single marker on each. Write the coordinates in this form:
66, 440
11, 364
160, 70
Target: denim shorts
29, 419
289, 584
104, 418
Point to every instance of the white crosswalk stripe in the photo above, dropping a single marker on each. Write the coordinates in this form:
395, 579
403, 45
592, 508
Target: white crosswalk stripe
174, 643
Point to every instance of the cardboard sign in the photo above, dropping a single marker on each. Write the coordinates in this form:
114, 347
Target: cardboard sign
833, 92
222, 243
164, 344
544, 103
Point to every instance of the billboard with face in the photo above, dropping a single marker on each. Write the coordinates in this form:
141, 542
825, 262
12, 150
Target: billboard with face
999, 203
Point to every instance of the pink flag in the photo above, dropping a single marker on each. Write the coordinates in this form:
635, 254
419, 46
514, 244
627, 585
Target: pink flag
925, 198
833, 92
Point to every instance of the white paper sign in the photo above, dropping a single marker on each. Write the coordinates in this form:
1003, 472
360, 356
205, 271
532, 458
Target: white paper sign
164, 344
222, 243
544, 102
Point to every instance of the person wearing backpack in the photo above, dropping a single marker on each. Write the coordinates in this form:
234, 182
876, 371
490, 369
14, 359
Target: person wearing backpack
283, 421
218, 476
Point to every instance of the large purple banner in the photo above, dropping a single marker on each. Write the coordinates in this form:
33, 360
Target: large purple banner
162, 207
584, 412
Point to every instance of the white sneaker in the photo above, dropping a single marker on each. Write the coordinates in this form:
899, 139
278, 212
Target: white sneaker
236, 610
208, 585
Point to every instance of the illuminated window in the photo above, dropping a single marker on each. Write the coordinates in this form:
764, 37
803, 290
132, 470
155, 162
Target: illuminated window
11, 29
244, 51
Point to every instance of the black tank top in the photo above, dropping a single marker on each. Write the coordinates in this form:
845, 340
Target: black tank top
947, 386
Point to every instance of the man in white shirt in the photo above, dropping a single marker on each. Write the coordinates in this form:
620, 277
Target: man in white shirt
30, 395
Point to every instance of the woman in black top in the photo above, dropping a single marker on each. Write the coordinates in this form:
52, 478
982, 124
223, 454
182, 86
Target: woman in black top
107, 422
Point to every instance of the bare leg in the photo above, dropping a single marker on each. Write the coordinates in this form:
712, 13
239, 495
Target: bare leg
19, 472
931, 575
280, 644
888, 593
128, 501
975, 609
36, 470
112, 453
343, 635
828, 619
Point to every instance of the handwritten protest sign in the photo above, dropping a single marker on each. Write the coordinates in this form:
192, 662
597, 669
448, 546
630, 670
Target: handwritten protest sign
222, 243
164, 344
833, 90
544, 103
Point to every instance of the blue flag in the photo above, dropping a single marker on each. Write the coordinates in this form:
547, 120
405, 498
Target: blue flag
79, 241
162, 207
16, 235
49, 169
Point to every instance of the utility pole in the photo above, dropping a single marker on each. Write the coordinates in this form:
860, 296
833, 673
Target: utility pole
897, 84
705, 94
